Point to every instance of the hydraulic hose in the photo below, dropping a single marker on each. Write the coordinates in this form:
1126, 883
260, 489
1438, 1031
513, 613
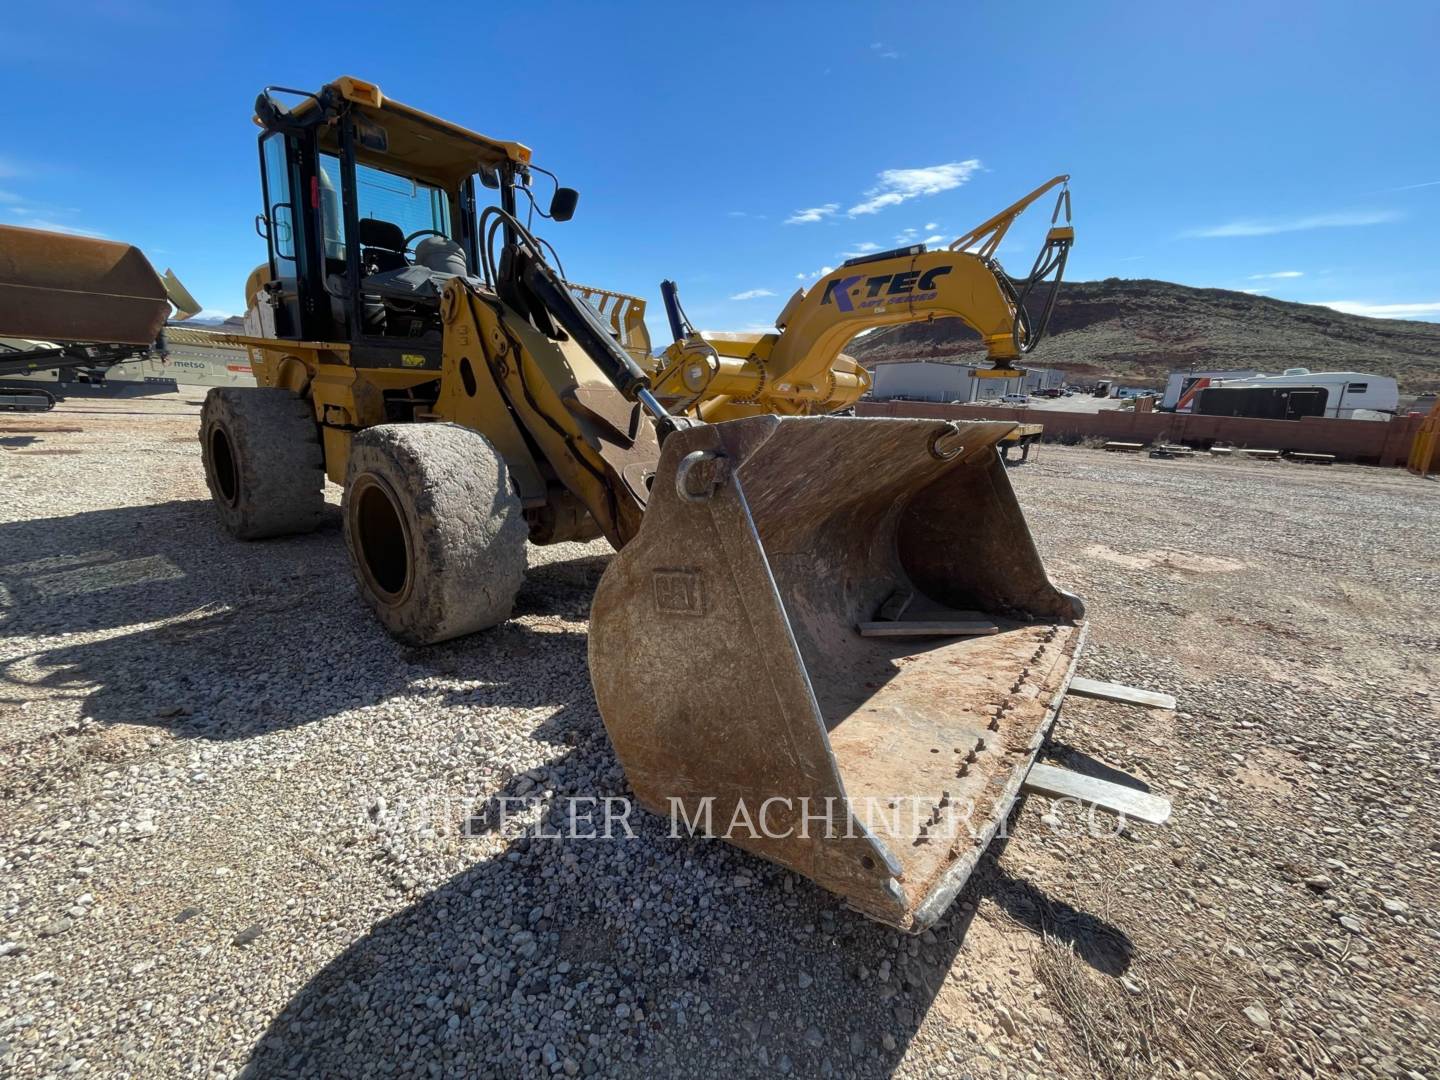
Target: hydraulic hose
680, 327
1026, 332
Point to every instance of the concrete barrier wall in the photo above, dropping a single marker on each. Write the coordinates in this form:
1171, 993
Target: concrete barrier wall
1366, 441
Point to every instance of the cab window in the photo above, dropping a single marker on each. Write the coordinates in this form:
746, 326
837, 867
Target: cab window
408, 204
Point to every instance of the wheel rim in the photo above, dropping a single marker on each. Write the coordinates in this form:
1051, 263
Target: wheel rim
223, 466
381, 538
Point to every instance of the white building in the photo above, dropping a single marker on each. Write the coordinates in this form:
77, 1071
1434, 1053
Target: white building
923, 380
1043, 379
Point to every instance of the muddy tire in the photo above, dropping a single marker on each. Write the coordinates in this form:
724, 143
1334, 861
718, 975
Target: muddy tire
263, 461
435, 532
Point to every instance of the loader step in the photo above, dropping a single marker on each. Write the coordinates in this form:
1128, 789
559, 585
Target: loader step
922, 628
1105, 794
1128, 695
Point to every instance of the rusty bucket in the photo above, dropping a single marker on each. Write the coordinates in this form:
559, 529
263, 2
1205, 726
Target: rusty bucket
62, 288
833, 643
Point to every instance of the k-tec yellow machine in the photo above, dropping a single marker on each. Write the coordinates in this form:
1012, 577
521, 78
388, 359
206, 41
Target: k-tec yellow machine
800, 370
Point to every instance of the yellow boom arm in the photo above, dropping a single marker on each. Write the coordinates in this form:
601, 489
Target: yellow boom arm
801, 369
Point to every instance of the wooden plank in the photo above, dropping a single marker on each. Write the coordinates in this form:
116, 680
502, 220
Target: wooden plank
934, 628
1128, 695
1104, 794
1125, 446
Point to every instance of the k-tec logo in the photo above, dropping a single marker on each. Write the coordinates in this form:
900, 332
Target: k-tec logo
910, 281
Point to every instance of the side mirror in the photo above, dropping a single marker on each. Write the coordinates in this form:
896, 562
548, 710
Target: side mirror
490, 177
562, 206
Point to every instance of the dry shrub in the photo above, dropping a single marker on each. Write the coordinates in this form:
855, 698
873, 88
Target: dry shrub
1175, 1017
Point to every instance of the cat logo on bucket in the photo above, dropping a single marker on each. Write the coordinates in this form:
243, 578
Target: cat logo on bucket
910, 285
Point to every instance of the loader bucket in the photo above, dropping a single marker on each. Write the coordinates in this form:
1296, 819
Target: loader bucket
833, 643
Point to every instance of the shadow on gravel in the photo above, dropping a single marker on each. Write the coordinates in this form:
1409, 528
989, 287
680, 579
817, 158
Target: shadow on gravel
250, 637
1078, 761
654, 956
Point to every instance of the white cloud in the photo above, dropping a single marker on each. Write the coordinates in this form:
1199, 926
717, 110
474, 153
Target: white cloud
885, 52
1412, 187
212, 315
907, 236
32, 222
933, 238
752, 294
816, 274
899, 185
744, 214
1277, 275
1255, 292
19, 210
931, 225
1386, 311
1315, 221
815, 213
864, 248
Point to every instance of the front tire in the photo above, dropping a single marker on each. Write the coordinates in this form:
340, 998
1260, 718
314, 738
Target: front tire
263, 461
435, 533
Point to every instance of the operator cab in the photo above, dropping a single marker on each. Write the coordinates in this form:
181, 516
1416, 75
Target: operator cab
405, 249
370, 208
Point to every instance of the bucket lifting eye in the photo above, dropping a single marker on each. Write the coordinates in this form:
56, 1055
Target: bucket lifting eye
945, 443
700, 474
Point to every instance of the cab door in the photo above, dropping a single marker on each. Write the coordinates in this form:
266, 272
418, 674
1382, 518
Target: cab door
280, 308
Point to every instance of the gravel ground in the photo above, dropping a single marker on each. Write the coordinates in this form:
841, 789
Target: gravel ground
230, 835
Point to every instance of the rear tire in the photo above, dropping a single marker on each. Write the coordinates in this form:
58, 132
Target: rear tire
436, 534
263, 461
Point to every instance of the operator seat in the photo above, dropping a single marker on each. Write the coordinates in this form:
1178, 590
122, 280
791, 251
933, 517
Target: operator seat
442, 255
382, 246
399, 300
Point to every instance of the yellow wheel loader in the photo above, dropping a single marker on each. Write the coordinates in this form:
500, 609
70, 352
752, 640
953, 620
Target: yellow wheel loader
821, 638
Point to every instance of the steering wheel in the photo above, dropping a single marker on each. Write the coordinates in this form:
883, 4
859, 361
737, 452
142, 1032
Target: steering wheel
406, 249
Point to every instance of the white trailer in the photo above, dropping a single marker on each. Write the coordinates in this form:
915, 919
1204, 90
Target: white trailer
1181, 384
1345, 392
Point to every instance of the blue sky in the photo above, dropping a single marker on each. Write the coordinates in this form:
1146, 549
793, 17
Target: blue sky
739, 148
